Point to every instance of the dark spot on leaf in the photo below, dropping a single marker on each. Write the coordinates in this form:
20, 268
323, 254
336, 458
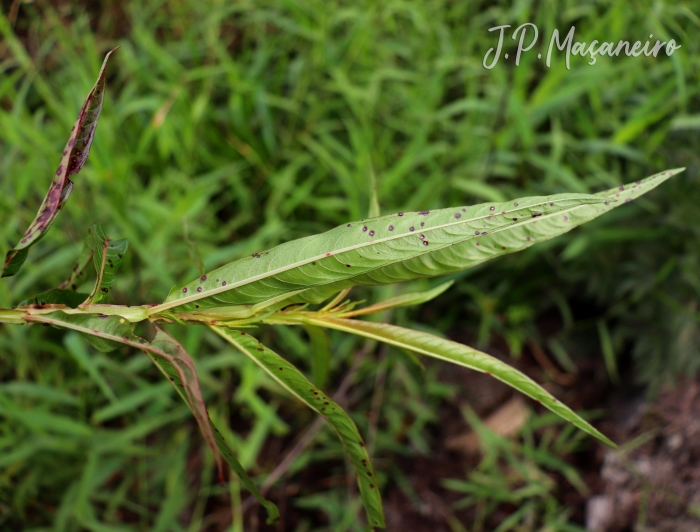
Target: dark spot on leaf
105, 290
400, 214
348, 225
503, 247
199, 289
223, 283
313, 263
364, 228
261, 350
347, 265
528, 239
371, 233
421, 236
536, 214
281, 369
492, 208
391, 228
369, 474
184, 290
422, 224
425, 242
411, 228
202, 278
458, 216
424, 213
622, 187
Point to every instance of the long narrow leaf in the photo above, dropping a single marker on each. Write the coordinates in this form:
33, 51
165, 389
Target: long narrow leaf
109, 332
396, 248
224, 448
297, 384
72, 160
404, 300
436, 347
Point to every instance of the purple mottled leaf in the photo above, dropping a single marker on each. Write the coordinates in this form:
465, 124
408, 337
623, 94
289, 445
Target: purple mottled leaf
72, 160
170, 352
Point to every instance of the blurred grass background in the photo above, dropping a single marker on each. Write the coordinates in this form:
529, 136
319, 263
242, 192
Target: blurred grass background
230, 127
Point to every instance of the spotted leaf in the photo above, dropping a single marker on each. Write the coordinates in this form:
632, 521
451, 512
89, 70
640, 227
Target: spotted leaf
436, 347
298, 385
396, 248
74, 156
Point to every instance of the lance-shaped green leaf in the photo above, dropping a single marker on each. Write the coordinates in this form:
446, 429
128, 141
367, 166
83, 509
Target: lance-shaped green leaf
523, 233
396, 248
107, 333
72, 160
272, 512
107, 257
404, 300
294, 381
436, 347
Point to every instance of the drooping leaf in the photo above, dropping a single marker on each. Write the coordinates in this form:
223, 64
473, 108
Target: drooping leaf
297, 384
224, 448
74, 156
397, 248
109, 332
436, 347
107, 257
171, 353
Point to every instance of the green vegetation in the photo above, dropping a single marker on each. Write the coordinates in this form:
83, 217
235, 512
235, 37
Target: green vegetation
232, 128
